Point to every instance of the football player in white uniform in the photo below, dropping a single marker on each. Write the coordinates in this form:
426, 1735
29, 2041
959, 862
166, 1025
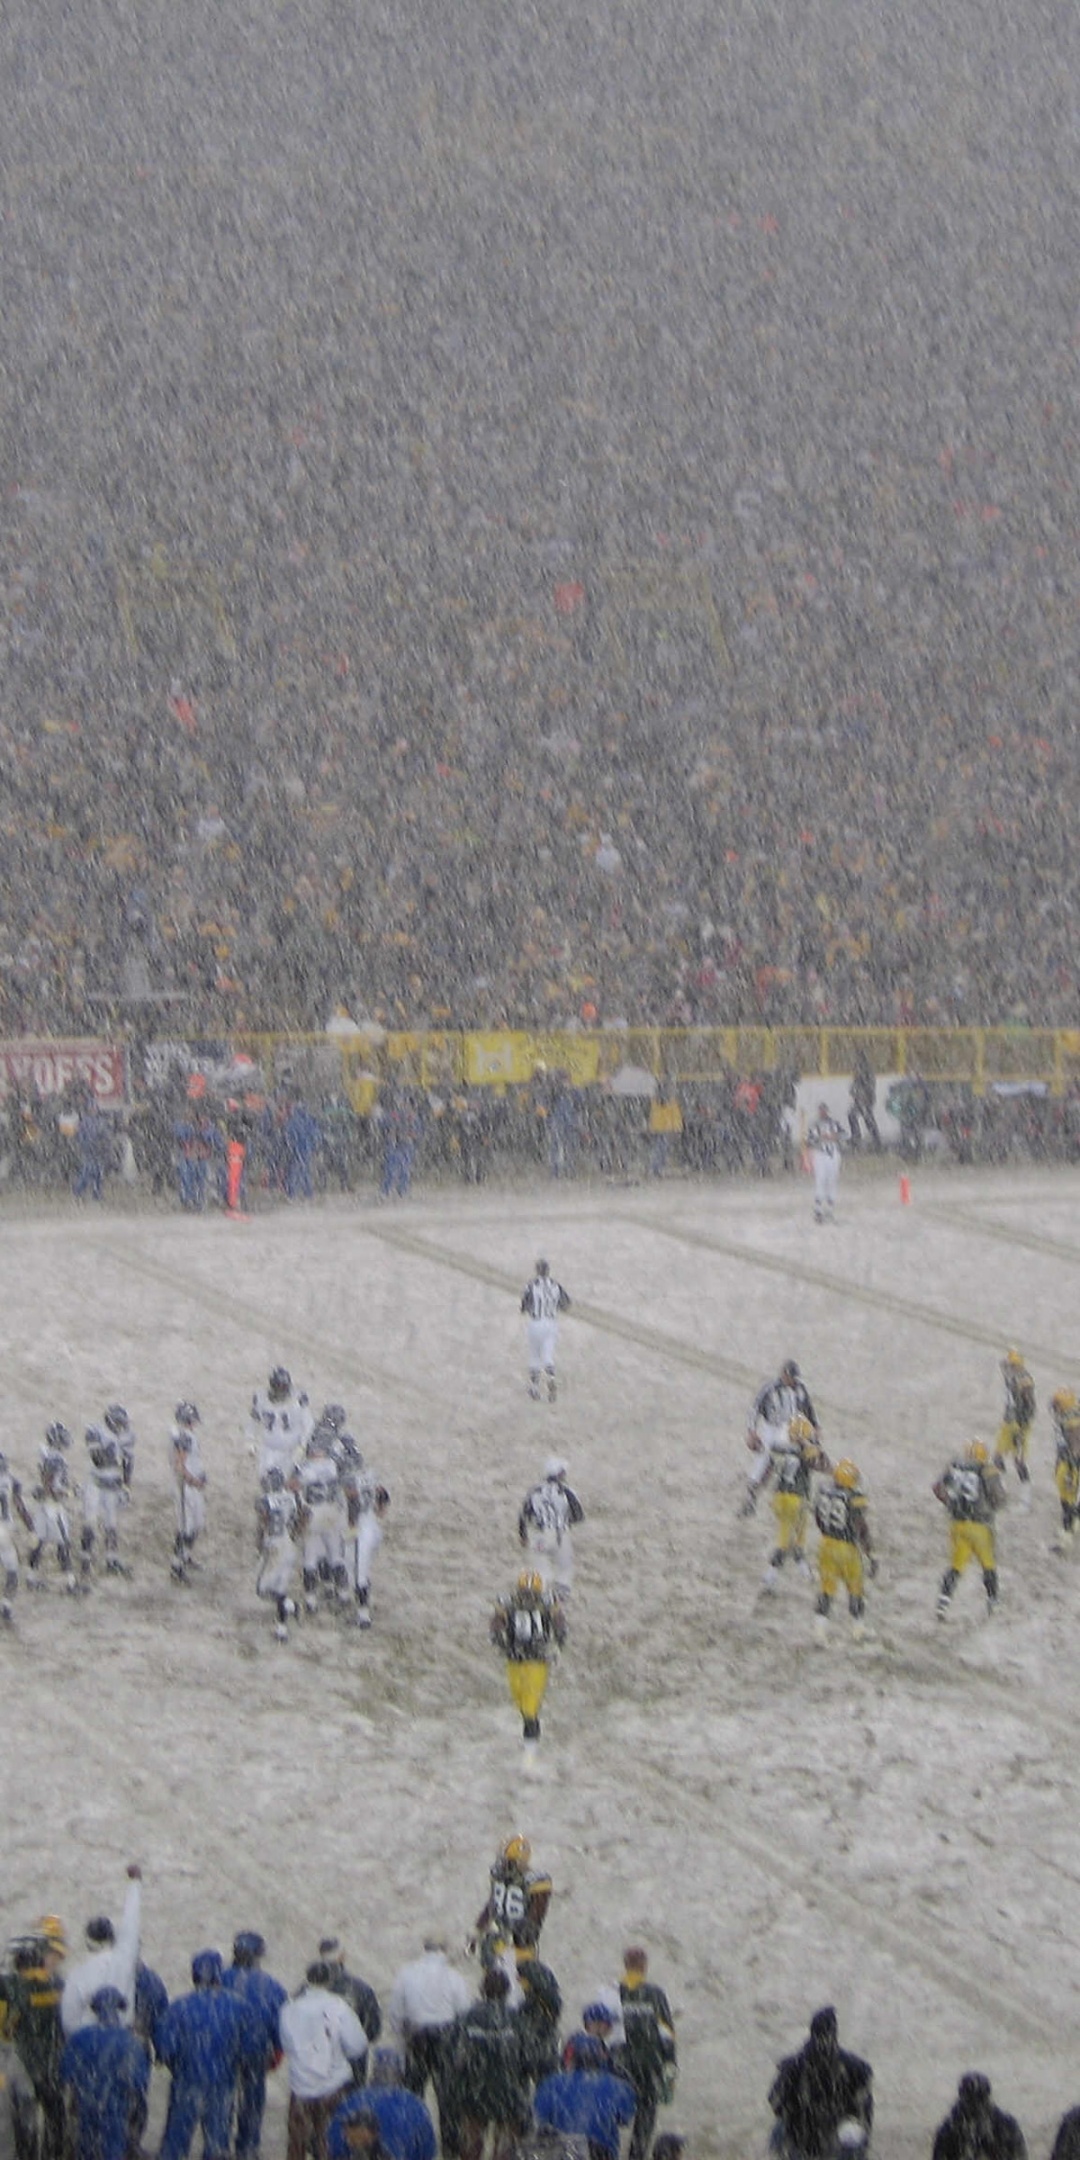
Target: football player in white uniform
102, 1496
50, 1507
281, 1421
366, 1503
548, 1515
542, 1300
117, 1422
277, 1517
189, 1478
322, 1514
12, 1505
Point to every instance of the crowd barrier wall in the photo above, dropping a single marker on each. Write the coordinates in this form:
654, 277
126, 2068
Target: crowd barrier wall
360, 1065
975, 1057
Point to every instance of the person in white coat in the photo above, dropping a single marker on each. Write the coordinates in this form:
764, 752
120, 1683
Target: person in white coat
111, 1962
322, 2038
426, 1997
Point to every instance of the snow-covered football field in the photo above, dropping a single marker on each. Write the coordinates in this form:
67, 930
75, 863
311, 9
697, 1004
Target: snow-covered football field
891, 1826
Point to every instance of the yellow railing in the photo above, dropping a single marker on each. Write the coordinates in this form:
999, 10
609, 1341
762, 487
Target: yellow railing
512, 1058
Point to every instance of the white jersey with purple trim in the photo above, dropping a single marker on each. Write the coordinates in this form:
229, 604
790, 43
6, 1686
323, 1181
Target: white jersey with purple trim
282, 1430
323, 1511
189, 1477
316, 1484
10, 1497
54, 1476
276, 1514
106, 1460
52, 1522
365, 1499
11, 1505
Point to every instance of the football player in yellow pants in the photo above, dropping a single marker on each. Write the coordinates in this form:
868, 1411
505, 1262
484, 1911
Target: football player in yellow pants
792, 1462
1065, 1411
971, 1488
528, 1627
1017, 1419
845, 1552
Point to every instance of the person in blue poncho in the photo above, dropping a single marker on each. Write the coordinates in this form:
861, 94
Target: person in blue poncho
586, 2099
406, 2130
264, 1996
206, 2039
105, 2070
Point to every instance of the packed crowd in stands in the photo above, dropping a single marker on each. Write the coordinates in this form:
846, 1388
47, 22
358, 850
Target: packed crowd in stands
482, 854
472, 654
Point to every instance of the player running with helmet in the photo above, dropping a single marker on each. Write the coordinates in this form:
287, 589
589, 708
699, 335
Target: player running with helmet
1017, 1419
51, 1507
102, 1497
366, 1503
517, 1900
277, 1516
12, 1505
845, 1553
189, 1478
528, 1627
1065, 1414
971, 1488
117, 1422
792, 1464
322, 1518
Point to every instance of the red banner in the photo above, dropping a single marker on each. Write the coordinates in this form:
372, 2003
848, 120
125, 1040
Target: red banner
53, 1067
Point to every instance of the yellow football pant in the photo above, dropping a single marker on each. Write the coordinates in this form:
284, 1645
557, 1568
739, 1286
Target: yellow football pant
790, 1510
527, 1679
1013, 1440
839, 1561
1067, 1480
971, 1541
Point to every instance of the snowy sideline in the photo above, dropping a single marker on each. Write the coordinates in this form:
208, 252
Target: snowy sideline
886, 1826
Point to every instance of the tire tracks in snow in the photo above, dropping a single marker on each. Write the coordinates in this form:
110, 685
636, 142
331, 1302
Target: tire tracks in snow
860, 1914
1036, 1241
892, 1302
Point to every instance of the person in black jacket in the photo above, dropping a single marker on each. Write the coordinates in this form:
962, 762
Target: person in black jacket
975, 2129
488, 2057
359, 1996
822, 2097
648, 2057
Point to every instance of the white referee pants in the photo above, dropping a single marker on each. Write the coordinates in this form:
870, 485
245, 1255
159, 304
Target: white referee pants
542, 1335
826, 1169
